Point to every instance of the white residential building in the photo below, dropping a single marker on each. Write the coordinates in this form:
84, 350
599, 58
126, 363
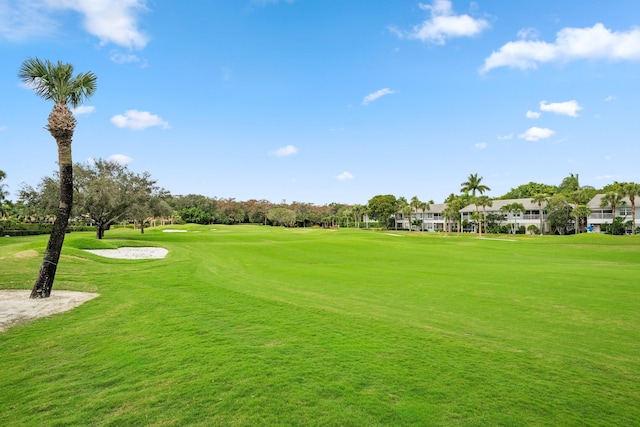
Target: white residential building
530, 215
433, 219
604, 215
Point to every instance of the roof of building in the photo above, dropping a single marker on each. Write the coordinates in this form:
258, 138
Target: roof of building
497, 204
595, 203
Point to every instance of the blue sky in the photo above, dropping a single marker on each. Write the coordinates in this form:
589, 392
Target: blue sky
333, 100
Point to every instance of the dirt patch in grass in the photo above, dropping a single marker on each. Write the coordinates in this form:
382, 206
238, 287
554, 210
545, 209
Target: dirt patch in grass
16, 307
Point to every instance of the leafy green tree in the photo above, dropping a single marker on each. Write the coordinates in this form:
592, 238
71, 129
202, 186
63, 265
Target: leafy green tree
149, 203
382, 207
195, 215
493, 221
40, 203
108, 191
282, 216
618, 226
472, 186
632, 190
56, 82
559, 213
529, 190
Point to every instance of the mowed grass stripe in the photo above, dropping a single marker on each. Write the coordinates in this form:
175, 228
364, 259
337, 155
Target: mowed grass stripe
264, 326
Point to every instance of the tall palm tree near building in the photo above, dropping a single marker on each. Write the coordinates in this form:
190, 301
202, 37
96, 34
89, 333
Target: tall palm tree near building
539, 199
580, 213
614, 199
56, 82
484, 201
452, 211
631, 190
513, 208
415, 204
425, 206
473, 185
406, 210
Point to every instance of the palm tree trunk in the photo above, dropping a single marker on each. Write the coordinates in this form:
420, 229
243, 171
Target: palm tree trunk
633, 214
61, 126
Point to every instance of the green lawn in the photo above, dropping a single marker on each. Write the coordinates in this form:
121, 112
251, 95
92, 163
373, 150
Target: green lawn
251, 325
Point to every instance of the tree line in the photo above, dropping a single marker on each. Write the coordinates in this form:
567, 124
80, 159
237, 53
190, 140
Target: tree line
107, 193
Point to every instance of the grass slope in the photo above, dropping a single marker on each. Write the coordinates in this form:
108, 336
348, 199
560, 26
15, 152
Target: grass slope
266, 326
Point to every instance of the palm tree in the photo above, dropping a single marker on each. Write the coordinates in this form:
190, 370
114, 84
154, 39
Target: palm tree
449, 213
631, 190
539, 199
569, 184
406, 210
612, 198
3, 192
473, 185
513, 209
425, 206
56, 82
452, 210
415, 204
484, 201
357, 211
580, 213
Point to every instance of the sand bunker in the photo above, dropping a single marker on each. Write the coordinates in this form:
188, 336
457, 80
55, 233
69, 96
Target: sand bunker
16, 307
131, 253
174, 231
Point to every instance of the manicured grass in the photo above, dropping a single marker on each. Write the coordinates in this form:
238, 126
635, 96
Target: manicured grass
252, 325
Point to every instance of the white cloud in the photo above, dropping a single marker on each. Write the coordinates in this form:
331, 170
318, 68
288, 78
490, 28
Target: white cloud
24, 19
112, 21
536, 133
528, 34
137, 120
375, 95
609, 98
120, 159
288, 150
83, 109
481, 145
568, 108
443, 24
532, 114
505, 137
344, 176
125, 58
571, 44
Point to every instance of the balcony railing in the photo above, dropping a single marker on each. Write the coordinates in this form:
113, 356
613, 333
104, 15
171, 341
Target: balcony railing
597, 215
